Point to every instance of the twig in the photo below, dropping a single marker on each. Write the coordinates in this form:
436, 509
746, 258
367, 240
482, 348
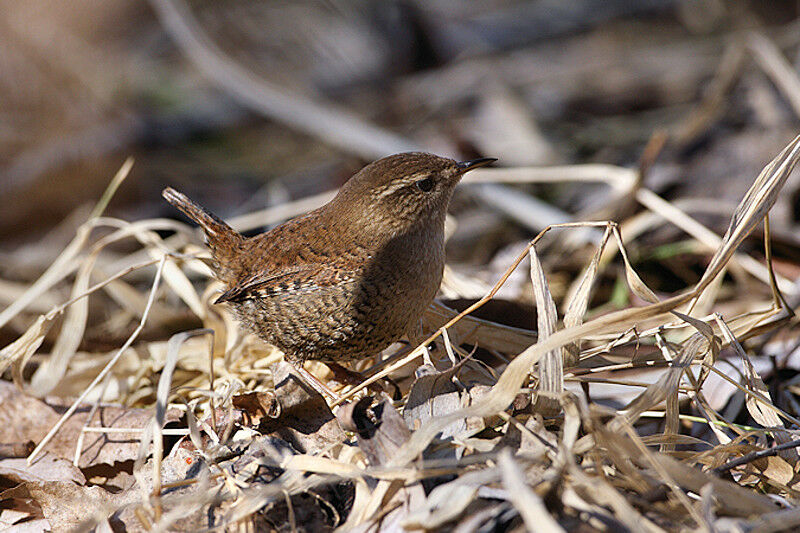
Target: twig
332, 125
754, 456
775, 65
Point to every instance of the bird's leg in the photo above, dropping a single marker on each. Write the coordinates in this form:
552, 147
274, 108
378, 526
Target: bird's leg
351, 377
345, 375
312, 381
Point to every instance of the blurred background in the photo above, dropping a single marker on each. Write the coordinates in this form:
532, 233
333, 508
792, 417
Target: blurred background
246, 104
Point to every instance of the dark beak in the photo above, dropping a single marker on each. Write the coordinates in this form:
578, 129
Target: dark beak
475, 163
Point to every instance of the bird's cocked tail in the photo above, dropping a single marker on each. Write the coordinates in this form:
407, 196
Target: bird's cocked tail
220, 235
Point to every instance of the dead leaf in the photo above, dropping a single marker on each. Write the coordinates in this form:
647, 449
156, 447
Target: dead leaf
775, 468
305, 421
379, 428
381, 431
47, 467
65, 505
433, 394
24, 418
257, 405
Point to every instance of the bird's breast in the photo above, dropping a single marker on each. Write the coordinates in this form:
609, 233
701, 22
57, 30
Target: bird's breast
410, 269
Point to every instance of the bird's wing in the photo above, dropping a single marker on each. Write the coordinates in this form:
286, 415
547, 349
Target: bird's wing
294, 280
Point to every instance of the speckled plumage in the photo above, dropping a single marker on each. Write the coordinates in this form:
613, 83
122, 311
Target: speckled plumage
345, 281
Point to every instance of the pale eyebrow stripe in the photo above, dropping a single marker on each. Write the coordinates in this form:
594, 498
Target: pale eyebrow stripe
399, 184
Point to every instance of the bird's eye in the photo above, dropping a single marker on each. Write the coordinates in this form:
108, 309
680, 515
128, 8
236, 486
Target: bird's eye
425, 185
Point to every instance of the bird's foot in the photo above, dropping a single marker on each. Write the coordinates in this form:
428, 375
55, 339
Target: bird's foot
314, 382
351, 377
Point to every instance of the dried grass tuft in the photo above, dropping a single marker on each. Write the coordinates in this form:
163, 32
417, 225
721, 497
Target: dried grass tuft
479, 440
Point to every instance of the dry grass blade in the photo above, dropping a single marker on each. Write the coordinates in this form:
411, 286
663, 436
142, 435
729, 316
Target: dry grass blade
762, 410
95, 406
53, 369
503, 393
605, 495
710, 239
154, 433
19, 351
732, 498
106, 369
530, 506
551, 371
667, 384
69, 338
635, 283
64, 264
755, 205
578, 300
623, 180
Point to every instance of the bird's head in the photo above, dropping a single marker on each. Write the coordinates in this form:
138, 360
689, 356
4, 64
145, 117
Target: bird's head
403, 190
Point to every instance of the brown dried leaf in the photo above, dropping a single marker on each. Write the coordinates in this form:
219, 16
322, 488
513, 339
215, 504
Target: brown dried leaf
775, 468
379, 428
304, 418
47, 467
434, 394
65, 505
180, 465
256, 405
24, 418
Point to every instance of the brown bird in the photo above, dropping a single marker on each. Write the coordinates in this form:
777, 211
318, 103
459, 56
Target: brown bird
346, 280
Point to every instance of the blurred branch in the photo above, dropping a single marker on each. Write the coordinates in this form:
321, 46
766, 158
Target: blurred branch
93, 142
330, 124
770, 58
714, 102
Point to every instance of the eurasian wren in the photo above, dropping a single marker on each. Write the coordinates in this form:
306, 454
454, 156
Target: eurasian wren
345, 281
